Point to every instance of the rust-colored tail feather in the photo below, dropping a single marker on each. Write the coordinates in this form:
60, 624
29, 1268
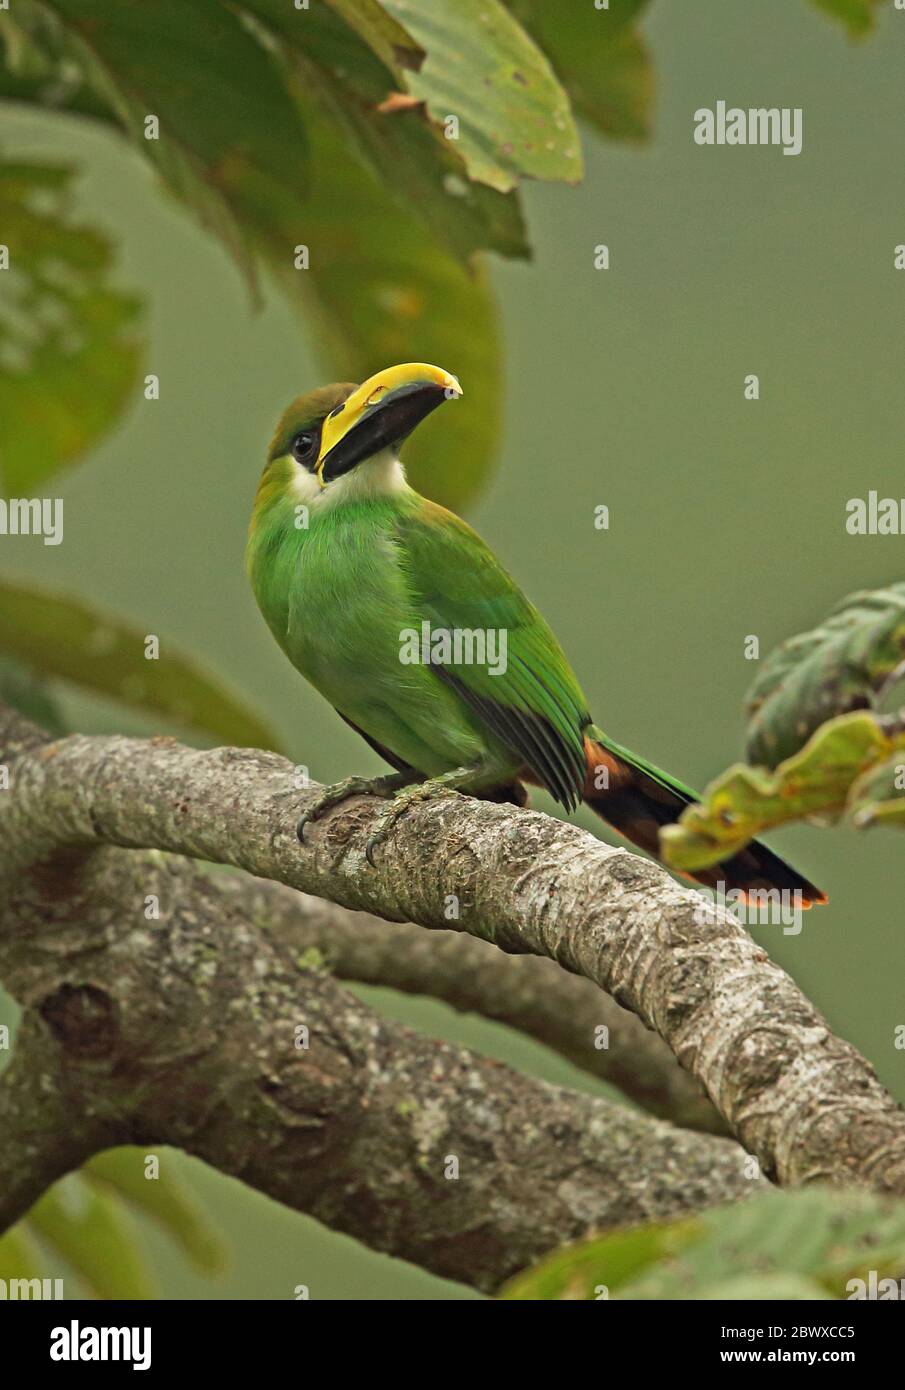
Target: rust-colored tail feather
637, 799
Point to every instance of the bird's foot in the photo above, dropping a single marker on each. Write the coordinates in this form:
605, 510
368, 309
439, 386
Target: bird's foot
348, 787
434, 789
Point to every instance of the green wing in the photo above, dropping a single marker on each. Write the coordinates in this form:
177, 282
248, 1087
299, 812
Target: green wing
535, 706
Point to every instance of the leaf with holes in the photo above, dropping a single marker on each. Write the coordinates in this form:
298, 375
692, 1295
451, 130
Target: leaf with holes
601, 60
486, 81
745, 801
393, 138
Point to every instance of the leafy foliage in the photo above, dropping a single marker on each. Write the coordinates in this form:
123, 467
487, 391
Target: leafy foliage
817, 743
234, 146
858, 16
481, 67
395, 140
274, 127
92, 1233
842, 665
601, 59
386, 37
806, 1244
69, 349
84, 1221
825, 779
69, 639
326, 127
19, 1255
377, 301
230, 140
382, 284
167, 1199
29, 693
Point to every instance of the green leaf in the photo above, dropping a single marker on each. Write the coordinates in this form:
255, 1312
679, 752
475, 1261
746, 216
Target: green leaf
69, 352
842, 665
405, 150
602, 61
578, 1271
858, 16
30, 695
809, 1243
82, 1220
392, 43
877, 797
166, 1198
62, 637
381, 291
231, 142
31, 73
19, 1258
768, 1288
745, 801
87, 1228
482, 68
802, 761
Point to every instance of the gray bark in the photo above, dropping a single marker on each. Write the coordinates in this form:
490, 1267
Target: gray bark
800, 1099
185, 1030
179, 1031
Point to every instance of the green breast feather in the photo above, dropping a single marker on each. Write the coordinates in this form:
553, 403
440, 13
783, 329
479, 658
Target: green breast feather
535, 704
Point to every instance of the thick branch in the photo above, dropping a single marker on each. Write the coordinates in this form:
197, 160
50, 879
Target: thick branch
41, 1136
805, 1102
183, 1029
527, 993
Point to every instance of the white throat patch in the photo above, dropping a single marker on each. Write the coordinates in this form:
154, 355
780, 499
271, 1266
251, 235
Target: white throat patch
380, 476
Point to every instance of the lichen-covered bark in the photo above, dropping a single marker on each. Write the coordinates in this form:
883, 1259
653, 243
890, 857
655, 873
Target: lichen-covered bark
803, 1101
185, 1029
527, 993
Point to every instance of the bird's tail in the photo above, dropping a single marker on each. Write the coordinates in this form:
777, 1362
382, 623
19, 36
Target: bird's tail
636, 798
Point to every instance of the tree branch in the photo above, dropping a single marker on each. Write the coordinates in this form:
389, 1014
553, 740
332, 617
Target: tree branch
198, 1030
803, 1101
527, 993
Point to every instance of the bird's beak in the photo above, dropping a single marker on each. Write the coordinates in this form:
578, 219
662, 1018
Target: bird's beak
380, 413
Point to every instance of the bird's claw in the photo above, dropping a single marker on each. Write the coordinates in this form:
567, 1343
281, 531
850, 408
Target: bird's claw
373, 841
401, 803
339, 792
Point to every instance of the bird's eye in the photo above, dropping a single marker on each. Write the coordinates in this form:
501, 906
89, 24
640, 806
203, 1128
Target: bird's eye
304, 447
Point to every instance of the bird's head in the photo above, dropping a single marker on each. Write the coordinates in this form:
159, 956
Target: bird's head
325, 435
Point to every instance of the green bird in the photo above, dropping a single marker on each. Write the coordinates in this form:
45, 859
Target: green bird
400, 615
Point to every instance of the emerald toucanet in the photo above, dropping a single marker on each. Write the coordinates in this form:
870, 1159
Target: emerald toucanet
383, 601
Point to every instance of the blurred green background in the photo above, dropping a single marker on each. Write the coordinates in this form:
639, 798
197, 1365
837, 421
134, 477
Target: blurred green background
623, 387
